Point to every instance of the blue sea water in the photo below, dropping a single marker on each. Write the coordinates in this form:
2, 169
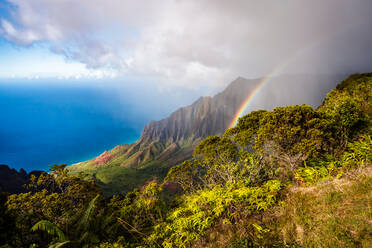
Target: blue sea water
41, 125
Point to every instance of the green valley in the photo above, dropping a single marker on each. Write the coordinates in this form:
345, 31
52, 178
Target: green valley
172, 140
294, 176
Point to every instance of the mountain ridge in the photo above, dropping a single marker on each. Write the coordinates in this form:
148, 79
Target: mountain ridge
183, 129
12, 181
171, 140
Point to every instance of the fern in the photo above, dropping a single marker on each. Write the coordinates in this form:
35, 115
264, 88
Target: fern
359, 152
202, 209
87, 216
49, 228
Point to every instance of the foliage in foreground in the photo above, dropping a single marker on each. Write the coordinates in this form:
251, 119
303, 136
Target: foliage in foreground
274, 180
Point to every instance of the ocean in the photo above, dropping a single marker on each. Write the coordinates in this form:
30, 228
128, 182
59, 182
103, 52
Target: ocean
45, 124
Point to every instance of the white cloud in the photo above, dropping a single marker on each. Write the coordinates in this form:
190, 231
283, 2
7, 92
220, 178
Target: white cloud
192, 42
20, 37
36, 62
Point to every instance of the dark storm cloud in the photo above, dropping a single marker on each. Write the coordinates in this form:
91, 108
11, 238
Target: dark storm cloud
193, 42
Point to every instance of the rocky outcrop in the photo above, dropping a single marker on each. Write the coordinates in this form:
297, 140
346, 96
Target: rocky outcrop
102, 159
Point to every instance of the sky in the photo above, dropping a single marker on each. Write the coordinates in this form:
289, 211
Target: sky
182, 44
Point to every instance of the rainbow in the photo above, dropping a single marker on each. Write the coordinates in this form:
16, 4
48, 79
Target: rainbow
247, 101
276, 71
243, 107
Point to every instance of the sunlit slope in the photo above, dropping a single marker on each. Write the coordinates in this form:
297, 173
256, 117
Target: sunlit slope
295, 176
291, 177
170, 141
331, 213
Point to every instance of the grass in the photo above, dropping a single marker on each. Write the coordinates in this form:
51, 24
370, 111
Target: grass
119, 179
114, 178
333, 213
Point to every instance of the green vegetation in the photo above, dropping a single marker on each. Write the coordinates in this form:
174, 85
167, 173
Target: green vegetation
127, 167
291, 177
114, 179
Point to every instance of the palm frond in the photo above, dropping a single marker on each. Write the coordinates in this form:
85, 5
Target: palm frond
50, 229
59, 244
87, 216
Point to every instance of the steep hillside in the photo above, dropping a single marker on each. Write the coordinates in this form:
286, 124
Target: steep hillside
170, 141
294, 176
331, 213
12, 181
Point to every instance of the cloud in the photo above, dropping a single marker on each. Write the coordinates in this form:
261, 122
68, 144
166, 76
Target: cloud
199, 42
19, 37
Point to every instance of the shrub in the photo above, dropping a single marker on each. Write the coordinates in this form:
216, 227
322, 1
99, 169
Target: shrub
200, 211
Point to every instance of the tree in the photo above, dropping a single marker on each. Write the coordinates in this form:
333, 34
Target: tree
246, 129
7, 221
189, 175
54, 199
83, 234
293, 134
217, 150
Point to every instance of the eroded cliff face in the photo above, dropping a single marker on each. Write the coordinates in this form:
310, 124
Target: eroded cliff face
207, 116
171, 140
